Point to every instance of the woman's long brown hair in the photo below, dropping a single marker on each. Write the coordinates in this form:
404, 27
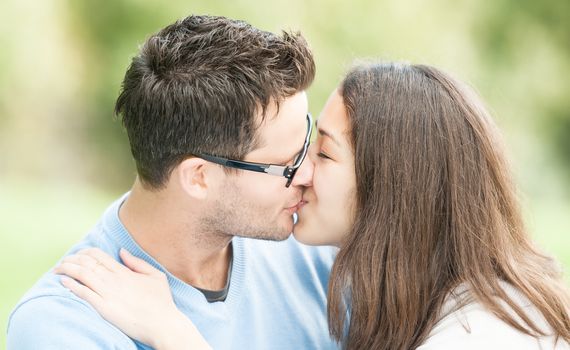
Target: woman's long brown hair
436, 208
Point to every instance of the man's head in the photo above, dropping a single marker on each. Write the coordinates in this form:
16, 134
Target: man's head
220, 87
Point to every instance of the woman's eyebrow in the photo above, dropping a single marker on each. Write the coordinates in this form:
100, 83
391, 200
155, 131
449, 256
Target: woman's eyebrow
328, 134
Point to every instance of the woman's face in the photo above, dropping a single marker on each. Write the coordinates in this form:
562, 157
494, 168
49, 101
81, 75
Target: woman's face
328, 210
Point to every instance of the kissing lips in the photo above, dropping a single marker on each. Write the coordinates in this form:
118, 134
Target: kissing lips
296, 207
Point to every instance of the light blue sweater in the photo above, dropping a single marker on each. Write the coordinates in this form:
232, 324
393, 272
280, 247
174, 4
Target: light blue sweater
276, 300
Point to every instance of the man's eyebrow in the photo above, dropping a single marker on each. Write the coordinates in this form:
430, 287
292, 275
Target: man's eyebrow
323, 132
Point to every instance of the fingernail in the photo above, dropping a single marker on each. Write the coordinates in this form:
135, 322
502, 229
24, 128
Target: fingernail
125, 251
65, 280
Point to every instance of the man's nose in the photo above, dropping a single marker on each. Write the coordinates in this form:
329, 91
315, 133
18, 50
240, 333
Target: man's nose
304, 175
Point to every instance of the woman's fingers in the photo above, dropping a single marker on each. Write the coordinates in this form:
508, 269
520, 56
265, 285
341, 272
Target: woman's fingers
136, 264
102, 258
95, 268
85, 261
82, 291
130, 261
86, 276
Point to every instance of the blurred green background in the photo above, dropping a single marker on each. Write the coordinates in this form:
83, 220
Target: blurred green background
64, 157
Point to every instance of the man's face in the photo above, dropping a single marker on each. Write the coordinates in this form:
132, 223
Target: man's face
258, 205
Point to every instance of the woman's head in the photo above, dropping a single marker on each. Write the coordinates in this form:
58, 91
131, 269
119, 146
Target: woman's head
392, 148
424, 201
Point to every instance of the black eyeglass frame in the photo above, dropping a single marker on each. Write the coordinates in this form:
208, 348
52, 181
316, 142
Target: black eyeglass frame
272, 169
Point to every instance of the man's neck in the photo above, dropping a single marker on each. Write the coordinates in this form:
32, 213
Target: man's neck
166, 229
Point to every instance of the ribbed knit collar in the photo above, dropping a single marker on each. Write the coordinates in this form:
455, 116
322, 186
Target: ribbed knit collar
114, 228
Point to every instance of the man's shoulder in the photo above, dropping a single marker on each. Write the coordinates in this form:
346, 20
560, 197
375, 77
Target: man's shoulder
49, 286
50, 316
58, 319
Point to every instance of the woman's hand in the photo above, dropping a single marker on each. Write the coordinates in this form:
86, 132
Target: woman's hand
135, 297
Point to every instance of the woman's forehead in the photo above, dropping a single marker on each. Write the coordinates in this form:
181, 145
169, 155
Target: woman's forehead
333, 120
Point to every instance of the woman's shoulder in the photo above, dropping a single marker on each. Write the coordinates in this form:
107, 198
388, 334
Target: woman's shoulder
468, 324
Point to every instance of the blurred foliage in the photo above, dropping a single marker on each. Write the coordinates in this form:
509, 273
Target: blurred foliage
63, 155
514, 33
516, 52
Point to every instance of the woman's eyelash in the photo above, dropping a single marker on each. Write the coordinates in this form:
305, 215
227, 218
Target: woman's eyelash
322, 155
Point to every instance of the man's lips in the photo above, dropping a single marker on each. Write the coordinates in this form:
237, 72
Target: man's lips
297, 206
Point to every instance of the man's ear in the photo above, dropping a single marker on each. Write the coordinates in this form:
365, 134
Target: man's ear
194, 176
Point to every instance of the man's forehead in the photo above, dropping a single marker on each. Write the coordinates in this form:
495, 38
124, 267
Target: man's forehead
288, 120
279, 143
283, 135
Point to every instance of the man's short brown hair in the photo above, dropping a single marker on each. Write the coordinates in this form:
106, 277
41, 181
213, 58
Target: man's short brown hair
197, 86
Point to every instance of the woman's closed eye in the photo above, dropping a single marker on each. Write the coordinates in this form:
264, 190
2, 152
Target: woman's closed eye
323, 155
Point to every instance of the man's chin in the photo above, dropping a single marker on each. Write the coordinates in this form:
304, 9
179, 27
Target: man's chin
280, 232
268, 234
267, 237
277, 238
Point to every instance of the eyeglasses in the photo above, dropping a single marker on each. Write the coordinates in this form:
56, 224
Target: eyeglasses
272, 169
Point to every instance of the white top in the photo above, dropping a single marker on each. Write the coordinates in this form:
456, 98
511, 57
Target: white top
474, 327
